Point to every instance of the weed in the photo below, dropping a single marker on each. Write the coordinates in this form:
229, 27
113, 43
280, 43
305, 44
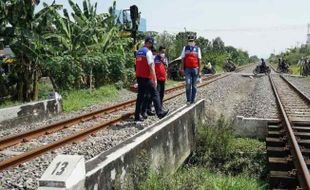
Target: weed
77, 99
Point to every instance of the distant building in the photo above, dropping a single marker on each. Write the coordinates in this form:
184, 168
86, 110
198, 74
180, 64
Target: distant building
142, 26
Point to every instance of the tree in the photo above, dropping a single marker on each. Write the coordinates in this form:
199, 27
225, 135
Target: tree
168, 40
218, 44
21, 22
86, 43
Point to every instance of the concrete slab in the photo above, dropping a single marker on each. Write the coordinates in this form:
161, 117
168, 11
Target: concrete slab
30, 112
65, 172
163, 147
252, 127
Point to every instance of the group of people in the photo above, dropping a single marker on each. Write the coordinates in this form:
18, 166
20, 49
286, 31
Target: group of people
151, 73
283, 66
304, 65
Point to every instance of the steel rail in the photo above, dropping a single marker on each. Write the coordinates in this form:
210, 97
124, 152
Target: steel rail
300, 164
52, 128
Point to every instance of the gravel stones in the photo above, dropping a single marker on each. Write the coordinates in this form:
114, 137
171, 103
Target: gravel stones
261, 103
302, 83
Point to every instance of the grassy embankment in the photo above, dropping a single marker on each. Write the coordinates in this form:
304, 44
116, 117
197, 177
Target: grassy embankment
74, 100
221, 161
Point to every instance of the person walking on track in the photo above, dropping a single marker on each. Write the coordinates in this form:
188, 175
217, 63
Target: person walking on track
191, 56
147, 81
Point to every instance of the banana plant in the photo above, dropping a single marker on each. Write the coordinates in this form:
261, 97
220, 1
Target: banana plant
22, 32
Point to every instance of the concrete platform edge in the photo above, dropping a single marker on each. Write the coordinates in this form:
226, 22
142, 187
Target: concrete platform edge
163, 147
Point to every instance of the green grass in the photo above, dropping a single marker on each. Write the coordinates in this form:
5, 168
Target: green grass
200, 179
295, 69
76, 99
8, 103
219, 68
44, 90
221, 161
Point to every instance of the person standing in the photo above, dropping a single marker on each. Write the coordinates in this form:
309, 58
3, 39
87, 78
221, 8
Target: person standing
191, 56
161, 72
147, 106
147, 81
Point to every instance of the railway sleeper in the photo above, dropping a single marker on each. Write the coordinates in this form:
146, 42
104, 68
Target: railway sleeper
283, 180
304, 142
276, 134
276, 142
278, 151
297, 120
301, 128
302, 135
280, 163
274, 127
283, 163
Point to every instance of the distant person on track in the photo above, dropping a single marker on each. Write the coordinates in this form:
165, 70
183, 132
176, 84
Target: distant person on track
147, 81
161, 64
263, 66
191, 56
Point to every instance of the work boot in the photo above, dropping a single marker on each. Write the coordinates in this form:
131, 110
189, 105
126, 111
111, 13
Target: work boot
163, 114
150, 113
137, 119
144, 116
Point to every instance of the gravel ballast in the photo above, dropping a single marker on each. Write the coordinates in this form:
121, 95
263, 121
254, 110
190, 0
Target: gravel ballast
225, 96
261, 103
302, 83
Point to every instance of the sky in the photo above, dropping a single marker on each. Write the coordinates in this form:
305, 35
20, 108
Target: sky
260, 27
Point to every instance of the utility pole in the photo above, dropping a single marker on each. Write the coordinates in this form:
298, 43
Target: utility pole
308, 36
185, 37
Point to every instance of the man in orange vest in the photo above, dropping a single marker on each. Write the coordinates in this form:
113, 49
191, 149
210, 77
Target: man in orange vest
161, 72
191, 56
147, 81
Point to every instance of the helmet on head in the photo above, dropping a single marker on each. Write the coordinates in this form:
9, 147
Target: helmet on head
150, 39
191, 37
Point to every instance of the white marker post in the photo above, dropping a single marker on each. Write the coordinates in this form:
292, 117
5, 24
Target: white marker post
66, 172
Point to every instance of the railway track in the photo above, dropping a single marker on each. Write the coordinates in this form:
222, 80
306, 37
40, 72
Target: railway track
52, 128
288, 142
80, 135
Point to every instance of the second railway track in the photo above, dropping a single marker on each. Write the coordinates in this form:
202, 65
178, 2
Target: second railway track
288, 142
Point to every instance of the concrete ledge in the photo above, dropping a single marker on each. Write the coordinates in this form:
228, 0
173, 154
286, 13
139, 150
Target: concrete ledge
30, 112
252, 127
163, 146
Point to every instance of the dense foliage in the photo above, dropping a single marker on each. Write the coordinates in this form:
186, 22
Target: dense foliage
69, 49
80, 49
292, 55
213, 51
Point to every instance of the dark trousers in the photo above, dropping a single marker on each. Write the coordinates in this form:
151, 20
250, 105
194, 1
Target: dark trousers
145, 87
161, 90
